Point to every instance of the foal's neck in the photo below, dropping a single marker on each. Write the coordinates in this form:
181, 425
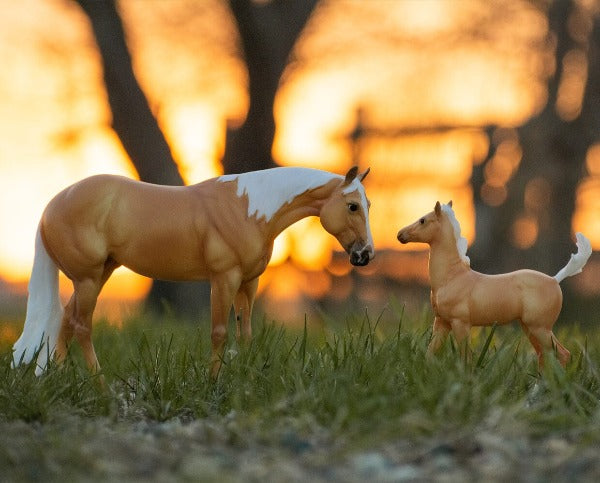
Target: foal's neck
445, 262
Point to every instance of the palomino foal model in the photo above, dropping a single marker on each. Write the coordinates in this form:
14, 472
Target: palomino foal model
462, 298
221, 230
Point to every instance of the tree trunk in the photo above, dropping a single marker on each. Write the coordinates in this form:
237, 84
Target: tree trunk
553, 157
144, 142
268, 33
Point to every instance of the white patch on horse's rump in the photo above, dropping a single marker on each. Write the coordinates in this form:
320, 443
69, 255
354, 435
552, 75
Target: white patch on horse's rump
269, 189
461, 242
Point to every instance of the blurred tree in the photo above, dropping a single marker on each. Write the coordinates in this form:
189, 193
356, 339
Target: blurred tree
268, 32
132, 118
554, 144
144, 142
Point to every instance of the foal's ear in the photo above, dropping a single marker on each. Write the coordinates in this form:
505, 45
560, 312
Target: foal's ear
450, 203
438, 209
351, 174
362, 176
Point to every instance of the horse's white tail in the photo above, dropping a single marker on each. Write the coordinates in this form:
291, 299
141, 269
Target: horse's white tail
44, 311
577, 260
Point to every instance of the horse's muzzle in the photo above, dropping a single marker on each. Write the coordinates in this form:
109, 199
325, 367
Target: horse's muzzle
361, 256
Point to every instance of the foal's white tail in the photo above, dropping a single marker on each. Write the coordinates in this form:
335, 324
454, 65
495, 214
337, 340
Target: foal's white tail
577, 260
44, 311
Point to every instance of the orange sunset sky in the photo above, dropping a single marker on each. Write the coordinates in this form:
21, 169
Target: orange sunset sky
403, 62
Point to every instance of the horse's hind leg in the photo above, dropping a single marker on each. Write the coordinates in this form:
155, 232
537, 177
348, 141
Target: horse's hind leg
66, 331
85, 297
77, 320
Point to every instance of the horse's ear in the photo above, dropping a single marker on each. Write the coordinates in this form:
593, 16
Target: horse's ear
362, 176
438, 209
351, 174
450, 203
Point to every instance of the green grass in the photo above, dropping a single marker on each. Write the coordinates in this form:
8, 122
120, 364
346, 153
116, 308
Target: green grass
358, 378
307, 399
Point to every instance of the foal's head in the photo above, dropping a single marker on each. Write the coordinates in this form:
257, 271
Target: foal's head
439, 225
346, 216
425, 229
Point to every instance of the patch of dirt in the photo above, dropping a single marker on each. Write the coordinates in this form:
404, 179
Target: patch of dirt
77, 449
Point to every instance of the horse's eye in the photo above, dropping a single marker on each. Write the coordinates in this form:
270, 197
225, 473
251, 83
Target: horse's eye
352, 206
422, 221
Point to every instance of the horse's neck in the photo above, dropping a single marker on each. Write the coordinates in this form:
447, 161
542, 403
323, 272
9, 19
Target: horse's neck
281, 196
444, 261
305, 204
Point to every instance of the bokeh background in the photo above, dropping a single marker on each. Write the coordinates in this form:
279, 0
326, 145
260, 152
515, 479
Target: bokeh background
495, 105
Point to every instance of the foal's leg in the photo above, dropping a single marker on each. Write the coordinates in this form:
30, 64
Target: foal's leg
563, 353
543, 340
244, 302
461, 331
438, 335
223, 288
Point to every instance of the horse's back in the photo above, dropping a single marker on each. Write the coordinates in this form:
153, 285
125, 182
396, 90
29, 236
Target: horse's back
83, 195
519, 294
72, 224
83, 205
167, 232
542, 295
93, 199
90, 220
483, 299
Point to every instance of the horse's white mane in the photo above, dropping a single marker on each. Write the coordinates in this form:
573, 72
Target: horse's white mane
269, 189
461, 242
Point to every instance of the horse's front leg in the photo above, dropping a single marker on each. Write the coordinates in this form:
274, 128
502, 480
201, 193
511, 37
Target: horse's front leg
223, 287
462, 331
439, 333
243, 304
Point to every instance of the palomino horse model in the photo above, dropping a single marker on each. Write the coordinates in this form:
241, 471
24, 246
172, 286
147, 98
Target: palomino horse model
462, 298
221, 229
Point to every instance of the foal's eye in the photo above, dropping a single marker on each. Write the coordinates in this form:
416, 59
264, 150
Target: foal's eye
422, 221
353, 206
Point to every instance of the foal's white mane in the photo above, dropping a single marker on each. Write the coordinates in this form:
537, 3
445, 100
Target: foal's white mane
269, 189
461, 242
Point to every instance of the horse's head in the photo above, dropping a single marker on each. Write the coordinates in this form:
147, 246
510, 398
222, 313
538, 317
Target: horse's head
345, 215
425, 229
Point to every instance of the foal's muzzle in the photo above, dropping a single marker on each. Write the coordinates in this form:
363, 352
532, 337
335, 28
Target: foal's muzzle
360, 255
403, 237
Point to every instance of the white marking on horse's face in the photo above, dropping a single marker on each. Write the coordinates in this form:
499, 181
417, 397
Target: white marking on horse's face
356, 185
268, 190
461, 242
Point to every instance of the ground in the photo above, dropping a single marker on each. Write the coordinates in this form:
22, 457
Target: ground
102, 450
354, 402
